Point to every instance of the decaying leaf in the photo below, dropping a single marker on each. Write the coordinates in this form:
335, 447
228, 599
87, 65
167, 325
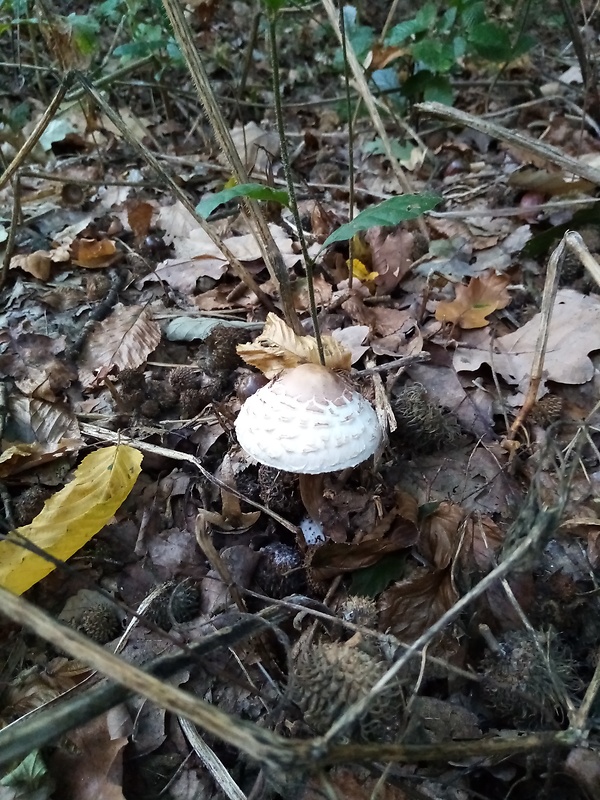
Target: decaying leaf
90, 767
94, 253
278, 348
574, 332
71, 517
231, 519
476, 301
440, 534
396, 531
409, 607
124, 339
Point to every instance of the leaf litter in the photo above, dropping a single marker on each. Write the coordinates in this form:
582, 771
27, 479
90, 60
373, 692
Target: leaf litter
119, 312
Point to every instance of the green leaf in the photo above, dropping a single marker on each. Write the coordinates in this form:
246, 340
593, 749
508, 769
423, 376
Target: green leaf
371, 581
255, 191
274, 5
85, 32
491, 41
435, 55
399, 151
439, 89
390, 212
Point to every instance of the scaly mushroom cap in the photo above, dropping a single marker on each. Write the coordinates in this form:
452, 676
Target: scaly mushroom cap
308, 421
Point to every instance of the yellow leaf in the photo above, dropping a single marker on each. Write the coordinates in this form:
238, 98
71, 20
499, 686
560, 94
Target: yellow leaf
72, 516
361, 272
474, 303
279, 348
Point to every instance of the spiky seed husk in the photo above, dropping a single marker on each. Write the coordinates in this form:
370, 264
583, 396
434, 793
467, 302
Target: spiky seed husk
179, 601
422, 425
359, 611
280, 570
547, 410
185, 378
517, 681
100, 623
330, 677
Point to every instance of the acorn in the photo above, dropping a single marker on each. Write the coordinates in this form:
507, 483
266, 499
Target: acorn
330, 677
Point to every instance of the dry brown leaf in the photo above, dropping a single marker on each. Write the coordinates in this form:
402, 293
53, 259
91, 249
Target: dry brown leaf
279, 348
125, 340
391, 257
440, 536
481, 542
39, 263
91, 766
396, 531
231, 519
574, 332
409, 607
32, 360
139, 217
474, 302
94, 253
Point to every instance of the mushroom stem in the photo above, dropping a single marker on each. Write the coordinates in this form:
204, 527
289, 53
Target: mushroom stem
311, 492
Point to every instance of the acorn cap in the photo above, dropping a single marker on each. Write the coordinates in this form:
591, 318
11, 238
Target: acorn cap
308, 421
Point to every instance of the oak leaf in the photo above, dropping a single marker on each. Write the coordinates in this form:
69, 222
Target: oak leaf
475, 301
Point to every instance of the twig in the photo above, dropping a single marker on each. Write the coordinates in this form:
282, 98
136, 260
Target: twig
537, 366
544, 522
271, 254
546, 151
35, 134
104, 434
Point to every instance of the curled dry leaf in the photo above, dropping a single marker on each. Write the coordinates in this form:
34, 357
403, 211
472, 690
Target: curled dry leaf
440, 534
409, 607
476, 301
396, 531
94, 253
125, 339
279, 348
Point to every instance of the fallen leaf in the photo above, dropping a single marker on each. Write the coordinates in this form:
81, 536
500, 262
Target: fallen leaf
574, 331
139, 217
231, 519
90, 767
125, 340
440, 536
279, 348
476, 301
71, 517
409, 607
94, 253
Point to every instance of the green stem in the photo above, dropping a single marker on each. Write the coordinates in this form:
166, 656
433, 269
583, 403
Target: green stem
287, 169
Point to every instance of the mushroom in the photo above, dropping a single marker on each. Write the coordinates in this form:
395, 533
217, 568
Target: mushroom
308, 421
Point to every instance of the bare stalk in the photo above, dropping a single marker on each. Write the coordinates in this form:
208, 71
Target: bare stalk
271, 254
287, 169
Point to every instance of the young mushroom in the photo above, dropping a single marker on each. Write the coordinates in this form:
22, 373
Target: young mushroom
308, 421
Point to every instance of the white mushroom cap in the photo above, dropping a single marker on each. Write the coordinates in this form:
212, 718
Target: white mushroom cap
308, 421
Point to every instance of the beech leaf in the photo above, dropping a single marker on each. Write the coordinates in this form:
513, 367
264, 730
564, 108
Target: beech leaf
255, 191
71, 517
